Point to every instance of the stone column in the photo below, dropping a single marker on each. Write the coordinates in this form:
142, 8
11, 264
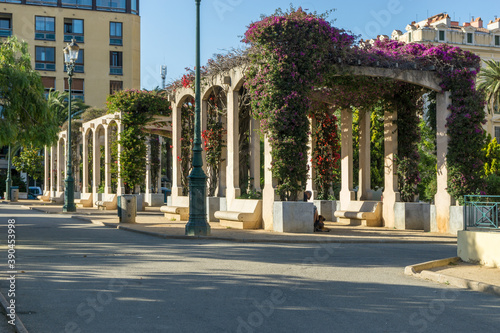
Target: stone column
311, 186
85, 164
442, 199
53, 169
148, 165
76, 168
391, 194
46, 170
60, 165
176, 153
364, 156
233, 159
96, 163
107, 160
255, 154
161, 143
268, 194
120, 188
347, 191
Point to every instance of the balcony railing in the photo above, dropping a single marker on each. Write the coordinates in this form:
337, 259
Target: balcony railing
5, 32
78, 38
481, 211
45, 36
114, 70
43, 66
115, 41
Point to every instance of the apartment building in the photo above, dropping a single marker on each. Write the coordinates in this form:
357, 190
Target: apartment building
107, 32
475, 36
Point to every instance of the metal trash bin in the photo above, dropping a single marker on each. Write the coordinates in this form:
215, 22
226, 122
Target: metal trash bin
127, 208
14, 193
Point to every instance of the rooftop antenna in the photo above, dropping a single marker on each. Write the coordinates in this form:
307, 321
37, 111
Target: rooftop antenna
163, 75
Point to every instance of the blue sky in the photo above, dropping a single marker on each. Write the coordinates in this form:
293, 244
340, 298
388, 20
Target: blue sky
168, 26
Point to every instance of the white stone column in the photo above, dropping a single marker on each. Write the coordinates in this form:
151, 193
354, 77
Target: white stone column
347, 191
391, 194
268, 194
310, 185
85, 164
96, 163
60, 165
442, 199
233, 150
364, 156
176, 153
148, 165
107, 160
120, 188
46, 169
255, 153
53, 169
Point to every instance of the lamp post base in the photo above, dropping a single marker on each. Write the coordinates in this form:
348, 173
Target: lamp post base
197, 225
69, 196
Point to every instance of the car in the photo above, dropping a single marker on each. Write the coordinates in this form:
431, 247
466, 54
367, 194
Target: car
34, 192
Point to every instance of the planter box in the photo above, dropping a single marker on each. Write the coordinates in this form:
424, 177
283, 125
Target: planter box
412, 216
456, 219
154, 199
326, 208
293, 216
215, 204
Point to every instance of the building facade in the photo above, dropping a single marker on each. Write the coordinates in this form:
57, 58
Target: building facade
475, 36
107, 32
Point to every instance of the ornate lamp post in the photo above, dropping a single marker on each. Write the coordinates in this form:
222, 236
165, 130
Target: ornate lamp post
70, 57
197, 225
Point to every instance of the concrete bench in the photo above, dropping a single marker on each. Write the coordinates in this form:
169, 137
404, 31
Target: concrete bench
242, 214
84, 201
366, 213
108, 202
175, 213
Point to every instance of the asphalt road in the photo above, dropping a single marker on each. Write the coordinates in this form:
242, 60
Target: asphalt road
78, 277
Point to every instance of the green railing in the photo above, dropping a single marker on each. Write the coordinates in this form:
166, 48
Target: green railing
481, 211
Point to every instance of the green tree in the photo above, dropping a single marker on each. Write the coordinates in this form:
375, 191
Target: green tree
24, 115
489, 81
57, 102
30, 161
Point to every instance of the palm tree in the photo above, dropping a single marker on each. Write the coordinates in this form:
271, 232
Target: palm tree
58, 104
489, 80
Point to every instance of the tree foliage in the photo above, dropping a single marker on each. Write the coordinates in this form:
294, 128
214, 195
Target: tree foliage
25, 117
489, 81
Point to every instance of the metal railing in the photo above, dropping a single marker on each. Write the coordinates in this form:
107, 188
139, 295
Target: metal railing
481, 211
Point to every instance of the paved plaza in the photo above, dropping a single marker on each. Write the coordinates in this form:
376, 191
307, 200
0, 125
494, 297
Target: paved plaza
76, 276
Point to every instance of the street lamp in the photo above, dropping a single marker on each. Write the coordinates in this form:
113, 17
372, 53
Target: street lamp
197, 224
70, 57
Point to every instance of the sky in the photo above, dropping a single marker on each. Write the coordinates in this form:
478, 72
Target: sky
168, 27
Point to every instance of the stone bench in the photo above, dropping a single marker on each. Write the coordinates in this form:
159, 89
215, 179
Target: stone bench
175, 213
242, 214
366, 213
84, 201
108, 202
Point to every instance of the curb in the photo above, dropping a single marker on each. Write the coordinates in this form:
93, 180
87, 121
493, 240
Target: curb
19, 327
422, 271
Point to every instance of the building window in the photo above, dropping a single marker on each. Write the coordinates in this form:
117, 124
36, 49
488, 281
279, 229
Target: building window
12, 1
409, 37
45, 58
442, 35
115, 86
79, 64
86, 4
115, 63
77, 88
42, 2
73, 29
49, 83
5, 26
470, 38
45, 28
115, 33
497, 133
112, 5
497, 40
135, 6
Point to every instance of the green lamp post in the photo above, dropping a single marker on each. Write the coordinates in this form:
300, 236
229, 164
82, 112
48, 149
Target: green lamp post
70, 57
197, 224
